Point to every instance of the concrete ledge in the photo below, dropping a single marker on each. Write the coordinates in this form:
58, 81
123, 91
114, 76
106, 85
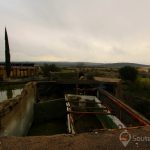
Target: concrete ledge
16, 114
95, 140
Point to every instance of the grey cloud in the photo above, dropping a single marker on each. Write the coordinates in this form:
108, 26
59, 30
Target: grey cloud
76, 30
118, 51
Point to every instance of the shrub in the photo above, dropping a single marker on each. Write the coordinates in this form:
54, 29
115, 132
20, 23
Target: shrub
46, 69
128, 73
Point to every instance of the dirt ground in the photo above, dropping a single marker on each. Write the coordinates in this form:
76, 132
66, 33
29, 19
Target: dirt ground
98, 140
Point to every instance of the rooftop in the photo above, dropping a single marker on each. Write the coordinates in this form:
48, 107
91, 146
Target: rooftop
109, 80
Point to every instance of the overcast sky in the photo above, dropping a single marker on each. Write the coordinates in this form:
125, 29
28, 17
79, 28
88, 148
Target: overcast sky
76, 30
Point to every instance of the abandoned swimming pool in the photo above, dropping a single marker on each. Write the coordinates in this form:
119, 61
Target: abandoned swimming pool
29, 115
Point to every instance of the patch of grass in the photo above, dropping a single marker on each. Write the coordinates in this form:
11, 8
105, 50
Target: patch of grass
139, 88
143, 83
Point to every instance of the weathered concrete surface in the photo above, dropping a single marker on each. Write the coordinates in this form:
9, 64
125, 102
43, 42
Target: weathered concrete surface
16, 114
102, 140
49, 110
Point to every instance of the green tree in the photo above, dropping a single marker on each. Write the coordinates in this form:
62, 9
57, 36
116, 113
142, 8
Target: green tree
7, 56
54, 68
128, 73
47, 69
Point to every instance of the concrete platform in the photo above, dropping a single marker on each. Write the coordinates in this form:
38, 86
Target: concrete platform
98, 140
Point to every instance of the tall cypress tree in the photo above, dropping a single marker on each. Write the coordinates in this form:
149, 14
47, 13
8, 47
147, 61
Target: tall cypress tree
7, 56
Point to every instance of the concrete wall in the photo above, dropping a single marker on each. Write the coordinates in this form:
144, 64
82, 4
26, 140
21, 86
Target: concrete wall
16, 115
49, 110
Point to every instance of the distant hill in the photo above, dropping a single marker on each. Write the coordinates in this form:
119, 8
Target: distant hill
88, 64
119, 65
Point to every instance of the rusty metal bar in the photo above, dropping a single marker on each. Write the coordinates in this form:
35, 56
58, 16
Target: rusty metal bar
86, 113
76, 101
88, 107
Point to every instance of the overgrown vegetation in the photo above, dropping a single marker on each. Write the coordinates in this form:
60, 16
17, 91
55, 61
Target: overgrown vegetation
137, 95
143, 84
140, 88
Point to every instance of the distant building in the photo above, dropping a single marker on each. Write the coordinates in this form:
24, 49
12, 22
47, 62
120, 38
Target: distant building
20, 70
144, 71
